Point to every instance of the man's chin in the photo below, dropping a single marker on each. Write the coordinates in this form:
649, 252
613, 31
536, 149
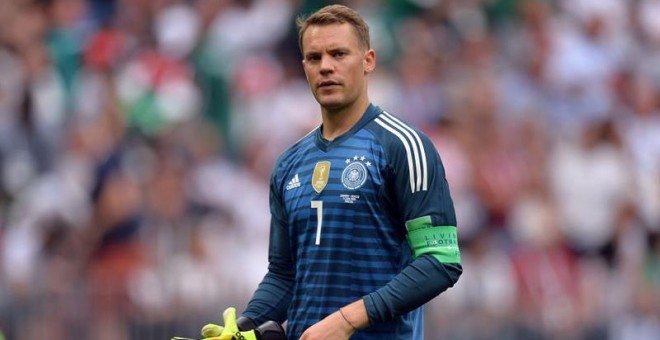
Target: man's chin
332, 104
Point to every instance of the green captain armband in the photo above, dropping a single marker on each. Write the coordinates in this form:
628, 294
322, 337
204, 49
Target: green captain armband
440, 242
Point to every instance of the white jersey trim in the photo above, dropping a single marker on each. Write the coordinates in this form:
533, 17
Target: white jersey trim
415, 153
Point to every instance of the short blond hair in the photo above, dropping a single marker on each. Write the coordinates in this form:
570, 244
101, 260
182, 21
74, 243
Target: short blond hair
335, 14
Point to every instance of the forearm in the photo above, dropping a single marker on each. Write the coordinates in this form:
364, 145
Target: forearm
273, 295
418, 283
271, 299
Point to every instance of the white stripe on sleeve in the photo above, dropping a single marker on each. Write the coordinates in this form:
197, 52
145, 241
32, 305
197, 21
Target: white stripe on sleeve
406, 146
415, 153
425, 176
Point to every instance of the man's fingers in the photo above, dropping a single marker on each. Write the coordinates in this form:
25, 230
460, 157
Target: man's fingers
230, 324
211, 330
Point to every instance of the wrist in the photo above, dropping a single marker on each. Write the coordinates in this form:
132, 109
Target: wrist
245, 324
347, 321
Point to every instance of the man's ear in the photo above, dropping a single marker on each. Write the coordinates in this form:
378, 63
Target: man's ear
369, 61
303, 65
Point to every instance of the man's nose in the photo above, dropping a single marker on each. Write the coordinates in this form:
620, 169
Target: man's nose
327, 65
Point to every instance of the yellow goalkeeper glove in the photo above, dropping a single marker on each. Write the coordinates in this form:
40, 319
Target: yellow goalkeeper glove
269, 330
229, 331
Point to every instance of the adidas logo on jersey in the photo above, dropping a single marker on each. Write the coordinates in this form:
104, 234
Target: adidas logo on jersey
293, 183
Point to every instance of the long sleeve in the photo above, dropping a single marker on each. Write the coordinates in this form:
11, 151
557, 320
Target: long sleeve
418, 283
273, 295
421, 201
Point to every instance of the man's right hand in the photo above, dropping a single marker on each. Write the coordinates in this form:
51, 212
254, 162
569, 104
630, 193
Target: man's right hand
229, 331
243, 329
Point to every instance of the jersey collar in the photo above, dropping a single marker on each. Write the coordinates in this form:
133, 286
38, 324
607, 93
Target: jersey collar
371, 113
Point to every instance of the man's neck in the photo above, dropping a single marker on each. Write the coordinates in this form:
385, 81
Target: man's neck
338, 122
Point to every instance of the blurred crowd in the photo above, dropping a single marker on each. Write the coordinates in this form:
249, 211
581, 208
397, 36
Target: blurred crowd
137, 139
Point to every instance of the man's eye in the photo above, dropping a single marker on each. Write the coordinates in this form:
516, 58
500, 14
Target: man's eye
339, 54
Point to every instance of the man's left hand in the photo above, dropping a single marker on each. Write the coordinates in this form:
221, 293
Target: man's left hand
333, 327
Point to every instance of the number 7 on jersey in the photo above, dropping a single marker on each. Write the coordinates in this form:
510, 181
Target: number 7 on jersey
318, 205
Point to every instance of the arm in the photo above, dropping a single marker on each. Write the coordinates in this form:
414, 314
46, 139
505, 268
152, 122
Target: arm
426, 206
417, 284
273, 295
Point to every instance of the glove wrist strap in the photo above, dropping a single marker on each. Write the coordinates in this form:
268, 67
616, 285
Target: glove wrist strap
245, 323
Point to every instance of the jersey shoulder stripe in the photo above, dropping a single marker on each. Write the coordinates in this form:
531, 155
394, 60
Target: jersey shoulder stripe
415, 151
294, 150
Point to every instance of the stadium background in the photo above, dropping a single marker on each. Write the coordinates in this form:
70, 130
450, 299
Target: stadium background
137, 137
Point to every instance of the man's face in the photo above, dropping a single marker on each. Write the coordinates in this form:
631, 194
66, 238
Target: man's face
336, 65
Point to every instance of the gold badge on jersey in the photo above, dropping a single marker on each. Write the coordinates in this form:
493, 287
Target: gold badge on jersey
320, 176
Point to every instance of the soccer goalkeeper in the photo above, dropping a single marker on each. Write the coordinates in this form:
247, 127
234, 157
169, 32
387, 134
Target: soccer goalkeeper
363, 229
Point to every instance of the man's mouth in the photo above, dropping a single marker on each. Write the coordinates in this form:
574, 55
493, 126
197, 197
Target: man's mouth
328, 83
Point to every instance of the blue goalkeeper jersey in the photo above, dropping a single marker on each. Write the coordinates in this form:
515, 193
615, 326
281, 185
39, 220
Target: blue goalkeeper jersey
338, 231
